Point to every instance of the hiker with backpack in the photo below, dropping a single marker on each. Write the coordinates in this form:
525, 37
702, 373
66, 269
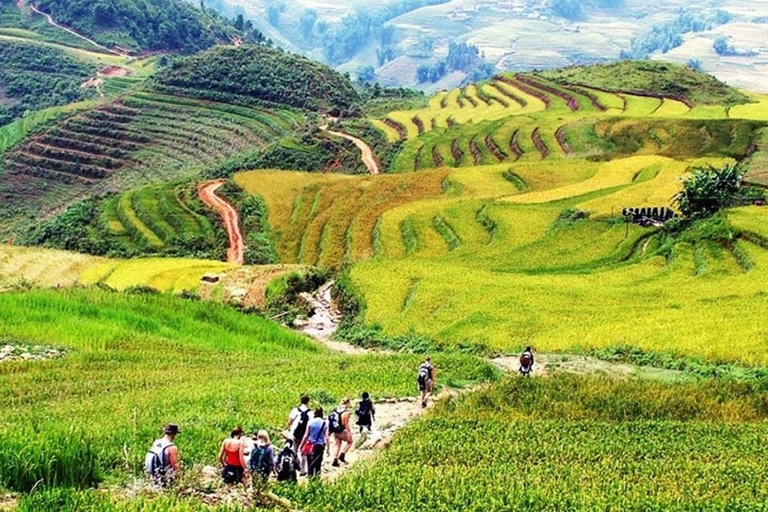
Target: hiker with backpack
262, 462
338, 425
365, 412
232, 459
287, 463
526, 362
315, 443
426, 380
298, 420
162, 461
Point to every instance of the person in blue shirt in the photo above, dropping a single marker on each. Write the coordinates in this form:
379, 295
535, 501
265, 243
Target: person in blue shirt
315, 443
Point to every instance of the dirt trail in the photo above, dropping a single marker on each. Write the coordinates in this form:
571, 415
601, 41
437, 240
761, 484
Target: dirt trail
230, 218
52, 22
369, 159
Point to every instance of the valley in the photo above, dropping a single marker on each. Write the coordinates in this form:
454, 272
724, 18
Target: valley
198, 227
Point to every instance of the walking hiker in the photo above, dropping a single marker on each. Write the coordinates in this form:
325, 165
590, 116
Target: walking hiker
287, 463
338, 425
232, 459
162, 460
526, 362
298, 420
315, 443
262, 462
365, 412
426, 380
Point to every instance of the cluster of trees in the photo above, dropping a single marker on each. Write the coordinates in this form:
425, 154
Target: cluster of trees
725, 48
141, 25
665, 37
254, 74
356, 30
461, 57
711, 189
573, 10
34, 77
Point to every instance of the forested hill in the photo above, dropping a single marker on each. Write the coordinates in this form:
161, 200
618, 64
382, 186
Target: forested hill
256, 74
141, 25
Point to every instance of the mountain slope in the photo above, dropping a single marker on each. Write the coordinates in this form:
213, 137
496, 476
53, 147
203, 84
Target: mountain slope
140, 25
252, 75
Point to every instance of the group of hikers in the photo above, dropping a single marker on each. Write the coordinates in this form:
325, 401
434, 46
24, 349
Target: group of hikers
307, 439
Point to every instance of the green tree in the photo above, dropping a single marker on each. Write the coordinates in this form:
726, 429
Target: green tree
710, 189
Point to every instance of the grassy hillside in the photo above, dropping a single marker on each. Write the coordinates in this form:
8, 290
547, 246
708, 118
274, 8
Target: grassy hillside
137, 362
570, 443
254, 75
34, 77
650, 77
139, 25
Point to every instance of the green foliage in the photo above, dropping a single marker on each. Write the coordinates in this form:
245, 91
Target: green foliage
258, 75
651, 77
254, 219
570, 443
461, 57
725, 48
137, 362
283, 295
34, 77
710, 190
138, 25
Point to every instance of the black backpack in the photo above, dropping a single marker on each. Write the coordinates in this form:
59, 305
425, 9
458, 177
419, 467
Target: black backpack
423, 375
286, 466
363, 408
334, 422
301, 428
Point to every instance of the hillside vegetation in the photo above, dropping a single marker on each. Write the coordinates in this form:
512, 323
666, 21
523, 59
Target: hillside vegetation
570, 443
34, 77
140, 25
255, 75
119, 381
650, 77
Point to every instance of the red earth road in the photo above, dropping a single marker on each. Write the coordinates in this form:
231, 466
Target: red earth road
229, 216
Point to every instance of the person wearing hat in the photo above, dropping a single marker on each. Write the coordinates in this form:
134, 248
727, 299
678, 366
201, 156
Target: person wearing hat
162, 460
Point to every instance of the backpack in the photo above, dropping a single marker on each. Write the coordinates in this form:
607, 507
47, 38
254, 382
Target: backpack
260, 461
526, 362
423, 375
286, 464
156, 463
301, 428
334, 422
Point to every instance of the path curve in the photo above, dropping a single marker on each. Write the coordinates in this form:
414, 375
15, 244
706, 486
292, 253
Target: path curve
229, 217
52, 22
369, 159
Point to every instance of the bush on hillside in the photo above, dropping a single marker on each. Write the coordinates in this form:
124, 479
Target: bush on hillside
710, 190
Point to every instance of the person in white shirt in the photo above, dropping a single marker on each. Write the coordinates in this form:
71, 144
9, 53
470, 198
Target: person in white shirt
298, 420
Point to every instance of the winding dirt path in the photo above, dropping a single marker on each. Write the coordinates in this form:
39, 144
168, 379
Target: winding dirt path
52, 22
229, 216
369, 159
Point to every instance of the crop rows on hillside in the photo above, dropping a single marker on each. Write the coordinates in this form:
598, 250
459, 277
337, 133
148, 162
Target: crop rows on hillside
130, 141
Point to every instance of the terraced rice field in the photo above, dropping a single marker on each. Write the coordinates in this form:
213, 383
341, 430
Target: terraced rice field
156, 216
519, 118
139, 138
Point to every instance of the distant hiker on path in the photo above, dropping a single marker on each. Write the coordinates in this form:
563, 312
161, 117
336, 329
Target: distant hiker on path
298, 420
365, 412
287, 463
338, 425
232, 459
162, 460
315, 443
262, 462
426, 380
526, 362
